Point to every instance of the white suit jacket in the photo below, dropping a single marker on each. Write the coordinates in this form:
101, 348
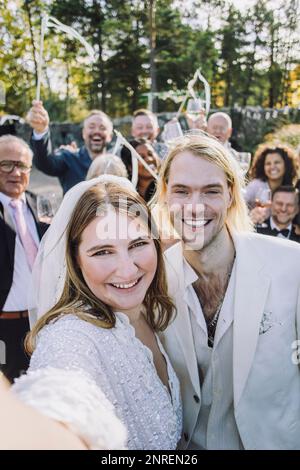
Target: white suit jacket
266, 326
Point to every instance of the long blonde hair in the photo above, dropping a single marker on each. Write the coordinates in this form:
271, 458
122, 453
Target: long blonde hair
77, 298
207, 147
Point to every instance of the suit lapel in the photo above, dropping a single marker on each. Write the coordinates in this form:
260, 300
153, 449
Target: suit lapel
251, 291
31, 202
181, 326
9, 229
294, 237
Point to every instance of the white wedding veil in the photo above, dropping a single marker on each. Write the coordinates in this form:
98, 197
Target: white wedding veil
49, 270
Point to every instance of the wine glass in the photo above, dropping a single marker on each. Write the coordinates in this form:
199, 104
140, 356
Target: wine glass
263, 199
172, 130
47, 206
194, 108
244, 160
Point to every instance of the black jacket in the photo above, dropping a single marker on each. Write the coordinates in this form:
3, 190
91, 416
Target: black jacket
7, 246
268, 231
70, 167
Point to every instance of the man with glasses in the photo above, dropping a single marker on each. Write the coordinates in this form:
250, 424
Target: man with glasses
20, 233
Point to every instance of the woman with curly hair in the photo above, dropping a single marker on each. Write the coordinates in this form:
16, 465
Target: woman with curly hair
273, 166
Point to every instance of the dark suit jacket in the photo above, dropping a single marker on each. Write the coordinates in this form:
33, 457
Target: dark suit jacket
70, 167
7, 246
268, 231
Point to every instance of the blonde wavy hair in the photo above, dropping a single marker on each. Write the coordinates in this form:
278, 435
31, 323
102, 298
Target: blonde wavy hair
207, 147
77, 298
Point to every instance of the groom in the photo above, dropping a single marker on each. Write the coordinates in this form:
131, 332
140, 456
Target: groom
234, 340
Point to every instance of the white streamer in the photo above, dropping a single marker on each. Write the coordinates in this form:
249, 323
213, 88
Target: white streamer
51, 22
191, 92
117, 145
207, 91
40, 59
135, 158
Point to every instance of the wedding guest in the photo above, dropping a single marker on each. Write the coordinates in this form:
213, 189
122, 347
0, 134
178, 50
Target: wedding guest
145, 126
284, 208
219, 125
70, 165
107, 164
146, 182
20, 234
273, 166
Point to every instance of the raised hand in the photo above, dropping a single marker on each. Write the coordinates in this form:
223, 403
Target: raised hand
38, 117
259, 214
72, 147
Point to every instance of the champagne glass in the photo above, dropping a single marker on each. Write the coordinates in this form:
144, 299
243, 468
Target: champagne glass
172, 130
47, 206
194, 108
263, 199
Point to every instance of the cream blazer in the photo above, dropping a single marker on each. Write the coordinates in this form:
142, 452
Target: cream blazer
266, 329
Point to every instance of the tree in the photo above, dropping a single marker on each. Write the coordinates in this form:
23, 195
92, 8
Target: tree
232, 37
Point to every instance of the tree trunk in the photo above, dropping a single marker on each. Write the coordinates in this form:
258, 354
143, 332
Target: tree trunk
67, 91
271, 70
249, 80
98, 19
152, 31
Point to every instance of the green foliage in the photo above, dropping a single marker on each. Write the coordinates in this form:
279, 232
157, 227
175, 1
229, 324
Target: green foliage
246, 55
289, 134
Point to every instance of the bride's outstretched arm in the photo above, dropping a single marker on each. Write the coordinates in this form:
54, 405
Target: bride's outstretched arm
22, 427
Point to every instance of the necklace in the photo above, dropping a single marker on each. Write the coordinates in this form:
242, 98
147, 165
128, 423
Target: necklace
212, 324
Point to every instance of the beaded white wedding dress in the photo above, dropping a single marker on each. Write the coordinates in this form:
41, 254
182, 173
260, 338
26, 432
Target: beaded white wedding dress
83, 375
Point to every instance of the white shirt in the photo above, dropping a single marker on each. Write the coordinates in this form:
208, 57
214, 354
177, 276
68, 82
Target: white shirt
39, 136
216, 427
17, 297
273, 225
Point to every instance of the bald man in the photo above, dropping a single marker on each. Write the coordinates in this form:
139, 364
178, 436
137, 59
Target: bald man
220, 126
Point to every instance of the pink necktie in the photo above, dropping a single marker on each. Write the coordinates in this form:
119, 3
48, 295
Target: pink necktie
25, 236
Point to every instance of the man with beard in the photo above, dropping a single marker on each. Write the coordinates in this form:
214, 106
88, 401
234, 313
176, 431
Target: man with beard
145, 126
70, 166
235, 336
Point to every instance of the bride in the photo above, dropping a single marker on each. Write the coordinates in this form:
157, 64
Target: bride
98, 280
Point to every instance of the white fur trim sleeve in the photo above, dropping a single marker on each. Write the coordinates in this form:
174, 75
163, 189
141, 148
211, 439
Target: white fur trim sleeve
74, 399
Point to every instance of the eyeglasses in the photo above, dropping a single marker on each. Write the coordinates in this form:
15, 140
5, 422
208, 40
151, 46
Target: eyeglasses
8, 166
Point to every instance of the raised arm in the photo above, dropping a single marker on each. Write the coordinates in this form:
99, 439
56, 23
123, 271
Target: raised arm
22, 427
67, 382
44, 158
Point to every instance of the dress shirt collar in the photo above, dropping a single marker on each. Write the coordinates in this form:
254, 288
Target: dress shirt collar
273, 225
190, 275
7, 199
